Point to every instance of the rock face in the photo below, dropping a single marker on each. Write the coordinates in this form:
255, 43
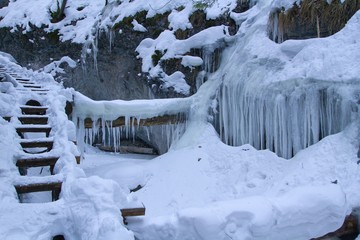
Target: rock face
311, 19
117, 73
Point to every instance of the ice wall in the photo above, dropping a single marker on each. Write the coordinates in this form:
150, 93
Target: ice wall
281, 120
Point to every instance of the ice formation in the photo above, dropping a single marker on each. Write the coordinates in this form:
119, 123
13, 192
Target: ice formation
282, 120
286, 97
102, 113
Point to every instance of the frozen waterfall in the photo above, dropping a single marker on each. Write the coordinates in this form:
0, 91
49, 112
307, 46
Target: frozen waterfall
280, 119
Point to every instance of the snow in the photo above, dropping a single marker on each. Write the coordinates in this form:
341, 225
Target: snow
138, 27
170, 48
20, 15
231, 194
191, 61
111, 110
54, 67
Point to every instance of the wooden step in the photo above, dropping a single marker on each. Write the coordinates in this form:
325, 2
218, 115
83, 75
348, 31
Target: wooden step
33, 119
54, 187
33, 110
36, 161
39, 90
34, 129
31, 86
132, 212
37, 144
22, 79
23, 163
25, 82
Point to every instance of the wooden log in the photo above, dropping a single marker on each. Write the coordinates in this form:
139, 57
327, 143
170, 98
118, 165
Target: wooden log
160, 120
349, 228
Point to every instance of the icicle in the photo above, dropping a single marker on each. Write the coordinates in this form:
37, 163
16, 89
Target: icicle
111, 39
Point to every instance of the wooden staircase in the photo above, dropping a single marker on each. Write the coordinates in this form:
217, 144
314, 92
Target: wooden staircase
37, 150
33, 120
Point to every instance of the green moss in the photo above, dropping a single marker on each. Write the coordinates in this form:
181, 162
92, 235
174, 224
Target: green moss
156, 57
141, 18
203, 4
179, 9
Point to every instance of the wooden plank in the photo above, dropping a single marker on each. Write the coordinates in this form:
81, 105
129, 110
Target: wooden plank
33, 120
129, 149
7, 118
159, 120
34, 110
134, 149
37, 144
131, 212
38, 187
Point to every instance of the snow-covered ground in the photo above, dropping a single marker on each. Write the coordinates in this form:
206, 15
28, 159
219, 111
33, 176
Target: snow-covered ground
213, 191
